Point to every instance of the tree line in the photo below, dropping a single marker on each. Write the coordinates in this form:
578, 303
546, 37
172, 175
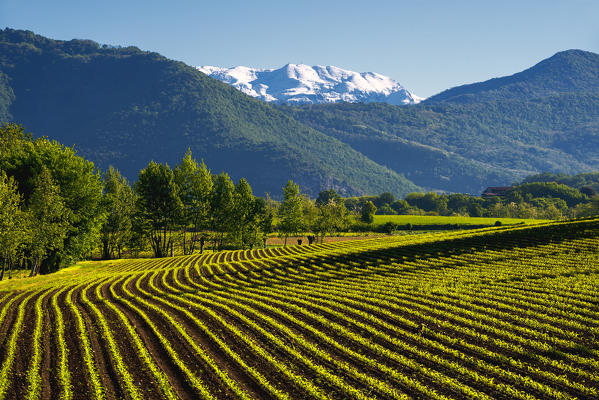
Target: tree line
56, 208
529, 199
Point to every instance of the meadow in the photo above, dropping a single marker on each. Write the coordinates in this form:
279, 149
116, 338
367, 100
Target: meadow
436, 220
495, 313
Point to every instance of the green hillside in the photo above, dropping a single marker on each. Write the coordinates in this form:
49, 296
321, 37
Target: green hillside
490, 133
125, 107
565, 72
466, 147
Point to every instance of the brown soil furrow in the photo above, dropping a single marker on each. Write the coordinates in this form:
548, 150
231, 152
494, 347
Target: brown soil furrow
273, 375
5, 327
425, 361
76, 363
18, 377
157, 352
49, 368
223, 360
108, 375
334, 353
185, 352
142, 377
359, 348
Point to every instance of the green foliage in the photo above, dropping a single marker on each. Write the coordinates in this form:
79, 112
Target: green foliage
586, 210
246, 226
13, 231
195, 185
368, 211
532, 190
430, 201
222, 206
48, 219
158, 205
327, 195
79, 183
119, 203
332, 217
291, 211
587, 180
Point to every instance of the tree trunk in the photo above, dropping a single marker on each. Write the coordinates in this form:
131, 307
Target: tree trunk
285, 244
33, 267
3, 268
105, 249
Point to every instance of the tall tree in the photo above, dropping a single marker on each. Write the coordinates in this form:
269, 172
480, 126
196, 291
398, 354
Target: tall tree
119, 203
290, 211
367, 212
222, 206
195, 185
265, 211
12, 229
23, 158
327, 195
245, 222
332, 217
48, 220
158, 205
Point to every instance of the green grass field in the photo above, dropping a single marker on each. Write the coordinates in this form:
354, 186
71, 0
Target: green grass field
430, 220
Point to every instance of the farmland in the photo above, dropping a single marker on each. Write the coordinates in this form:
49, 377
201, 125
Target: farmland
433, 221
495, 313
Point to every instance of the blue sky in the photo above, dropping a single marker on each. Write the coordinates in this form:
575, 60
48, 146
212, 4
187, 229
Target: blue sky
428, 46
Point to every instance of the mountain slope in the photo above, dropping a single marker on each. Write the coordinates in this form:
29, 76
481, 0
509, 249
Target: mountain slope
302, 84
124, 107
467, 146
565, 72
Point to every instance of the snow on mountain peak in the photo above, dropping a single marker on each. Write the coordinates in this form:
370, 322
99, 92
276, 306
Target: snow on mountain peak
300, 83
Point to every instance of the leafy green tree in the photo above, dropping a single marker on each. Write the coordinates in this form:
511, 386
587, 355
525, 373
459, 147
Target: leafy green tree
12, 229
332, 217
290, 211
195, 186
48, 219
401, 206
384, 198
590, 209
310, 212
550, 189
265, 213
79, 183
386, 209
327, 195
222, 207
245, 224
431, 202
368, 211
158, 205
119, 203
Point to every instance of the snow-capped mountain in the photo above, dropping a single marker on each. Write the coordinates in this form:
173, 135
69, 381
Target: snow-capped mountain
299, 83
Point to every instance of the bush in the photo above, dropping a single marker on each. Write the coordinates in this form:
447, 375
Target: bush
389, 227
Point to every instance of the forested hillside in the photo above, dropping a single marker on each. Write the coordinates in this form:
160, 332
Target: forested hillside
125, 107
565, 72
466, 146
